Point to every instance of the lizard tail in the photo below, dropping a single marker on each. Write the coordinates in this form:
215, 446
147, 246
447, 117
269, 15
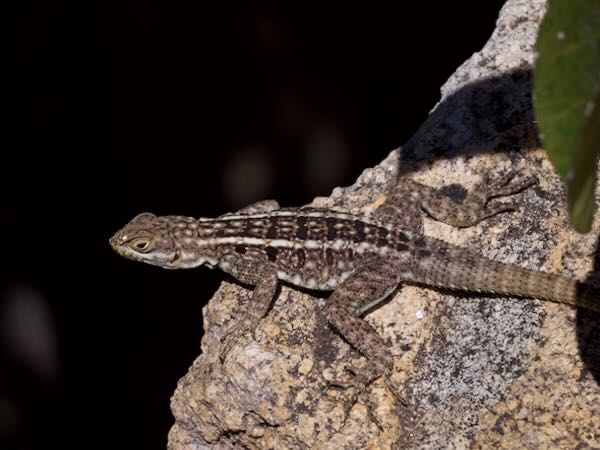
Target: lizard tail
477, 274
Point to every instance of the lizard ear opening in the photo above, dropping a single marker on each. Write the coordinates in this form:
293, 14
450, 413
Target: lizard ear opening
176, 257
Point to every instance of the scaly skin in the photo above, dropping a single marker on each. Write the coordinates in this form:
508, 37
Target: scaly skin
362, 260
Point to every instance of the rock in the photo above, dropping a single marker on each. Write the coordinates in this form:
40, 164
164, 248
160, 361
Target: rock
476, 371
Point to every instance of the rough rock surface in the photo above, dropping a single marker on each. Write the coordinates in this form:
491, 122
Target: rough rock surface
476, 371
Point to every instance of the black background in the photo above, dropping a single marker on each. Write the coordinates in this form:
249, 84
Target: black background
176, 108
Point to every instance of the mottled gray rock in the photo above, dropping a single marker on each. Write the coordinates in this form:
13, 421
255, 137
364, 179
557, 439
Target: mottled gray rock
477, 371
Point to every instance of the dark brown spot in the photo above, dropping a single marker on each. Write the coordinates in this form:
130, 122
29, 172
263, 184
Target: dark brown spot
381, 242
420, 242
272, 230
220, 232
425, 253
403, 236
331, 230
240, 249
359, 231
300, 258
271, 253
301, 230
350, 254
331, 234
247, 230
402, 247
329, 257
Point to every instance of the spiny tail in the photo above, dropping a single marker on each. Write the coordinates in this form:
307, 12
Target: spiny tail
464, 271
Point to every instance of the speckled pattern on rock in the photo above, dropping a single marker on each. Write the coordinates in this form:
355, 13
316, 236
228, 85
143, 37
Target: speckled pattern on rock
478, 372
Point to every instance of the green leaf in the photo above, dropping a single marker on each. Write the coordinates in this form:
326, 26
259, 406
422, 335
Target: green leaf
566, 84
582, 184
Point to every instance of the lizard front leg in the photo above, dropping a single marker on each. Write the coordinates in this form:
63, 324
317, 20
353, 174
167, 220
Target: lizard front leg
264, 278
366, 287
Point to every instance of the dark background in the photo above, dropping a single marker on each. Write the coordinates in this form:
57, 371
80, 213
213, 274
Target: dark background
176, 107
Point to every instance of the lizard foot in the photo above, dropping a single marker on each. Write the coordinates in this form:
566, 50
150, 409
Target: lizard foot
362, 379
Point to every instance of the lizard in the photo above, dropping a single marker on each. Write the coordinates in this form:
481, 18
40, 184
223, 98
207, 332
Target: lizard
361, 259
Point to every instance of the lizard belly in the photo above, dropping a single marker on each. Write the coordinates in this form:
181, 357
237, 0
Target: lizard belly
323, 281
320, 269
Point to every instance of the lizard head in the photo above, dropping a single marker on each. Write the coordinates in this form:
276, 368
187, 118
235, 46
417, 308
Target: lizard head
146, 238
164, 241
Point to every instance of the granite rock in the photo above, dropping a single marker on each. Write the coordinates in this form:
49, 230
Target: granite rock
476, 371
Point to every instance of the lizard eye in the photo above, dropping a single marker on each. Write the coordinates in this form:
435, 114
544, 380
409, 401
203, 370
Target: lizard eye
140, 245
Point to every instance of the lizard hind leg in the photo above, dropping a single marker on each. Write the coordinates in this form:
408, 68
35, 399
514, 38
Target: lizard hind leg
408, 218
479, 203
262, 206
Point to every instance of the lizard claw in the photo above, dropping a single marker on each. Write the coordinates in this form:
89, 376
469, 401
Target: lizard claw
362, 379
